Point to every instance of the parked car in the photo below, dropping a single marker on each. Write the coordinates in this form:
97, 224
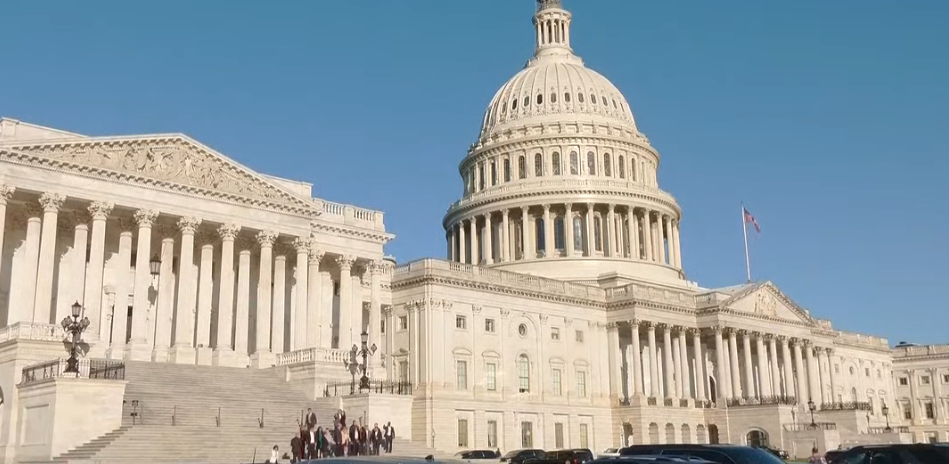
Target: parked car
477, 455
719, 454
651, 459
520, 455
777, 452
832, 454
565, 456
609, 452
919, 453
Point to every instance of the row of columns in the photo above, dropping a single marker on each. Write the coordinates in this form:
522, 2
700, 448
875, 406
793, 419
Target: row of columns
184, 299
624, 232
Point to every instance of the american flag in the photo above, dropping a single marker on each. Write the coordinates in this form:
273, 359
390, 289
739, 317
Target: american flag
749, 218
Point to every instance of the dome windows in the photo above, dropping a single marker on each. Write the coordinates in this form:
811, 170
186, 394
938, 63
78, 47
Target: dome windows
507, 170
566, 97
593, 98
540, 99
591, 163
580, 97
574, 163
538, 165
614, 103
514, 104
527, 101
607, 165
603, 100
555, 163
553, 97
622, 167
522, 167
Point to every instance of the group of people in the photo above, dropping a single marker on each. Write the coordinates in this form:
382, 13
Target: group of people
342, 439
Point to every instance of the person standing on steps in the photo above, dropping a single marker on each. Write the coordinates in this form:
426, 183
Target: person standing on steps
389, 436
274, 455
310, 418
375, 439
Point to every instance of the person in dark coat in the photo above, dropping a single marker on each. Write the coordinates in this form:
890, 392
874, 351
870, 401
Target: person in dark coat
375, 439
389, 436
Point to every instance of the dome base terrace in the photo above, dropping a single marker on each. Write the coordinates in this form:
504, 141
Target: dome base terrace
593, 270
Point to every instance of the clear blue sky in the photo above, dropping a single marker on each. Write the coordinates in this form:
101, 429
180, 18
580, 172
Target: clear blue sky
826, 118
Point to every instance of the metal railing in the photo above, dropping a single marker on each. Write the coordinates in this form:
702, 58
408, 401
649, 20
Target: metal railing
763, 401
375, 386
103, 369
137, 412
804, 426
893, 429
846, 406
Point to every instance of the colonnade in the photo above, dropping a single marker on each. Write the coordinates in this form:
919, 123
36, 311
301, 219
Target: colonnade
174, 309
566, 230
669, 361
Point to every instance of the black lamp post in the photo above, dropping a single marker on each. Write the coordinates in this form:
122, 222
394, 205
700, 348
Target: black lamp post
886, 413
74, 326
365, 352
154, 266
812, 407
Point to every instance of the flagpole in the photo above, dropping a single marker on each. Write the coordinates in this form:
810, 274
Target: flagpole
744, 229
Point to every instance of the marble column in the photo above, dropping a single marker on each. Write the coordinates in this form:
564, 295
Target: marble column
637, 358
357, 321
78, 272
615, 372
733, 363
31, 251
99, 211
667, 365
764, 381
462, 243
721, 375
775, 367
634, 250
699, 360
568, 229
609, 231
475, 244
647, 235
301, 325
346, 307
802, 383
182, 352
677, 361
203, 352
488, 239
813, 374
591, 237
505, 236
165, 307
788, 366
678, 244
548, 233
525, 222
619, 224
653, 359
138, 348
6, 193
242, 313
834, 381
224, 354
43, 301
750, 391
665, 240
263, 357
119, 322
319, 314
278, 327
684, 365
376, 268
827, 384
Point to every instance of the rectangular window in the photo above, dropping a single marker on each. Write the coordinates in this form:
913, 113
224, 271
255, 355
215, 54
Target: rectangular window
945, 378
574, 163
481, 176
866, 371
582, 384
507, 170
492, 381
462, 433
460, 322
403, 371
489, 325
930, 411
558, 435
527, 435
555, 333
907, 412
904, 381
494, 173
558, 386
492, 434
584, 436
403, 322
924, 380
579, 336
382, 326
462, 374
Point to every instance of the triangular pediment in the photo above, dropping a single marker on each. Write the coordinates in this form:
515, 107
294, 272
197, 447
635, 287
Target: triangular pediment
176, 162
766, 300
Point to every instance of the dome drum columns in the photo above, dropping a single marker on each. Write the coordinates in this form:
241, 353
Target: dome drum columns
565, 230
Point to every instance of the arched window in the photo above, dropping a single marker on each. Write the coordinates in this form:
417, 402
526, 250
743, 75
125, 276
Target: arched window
632, 170
507, 170
607, 165
527, 101
593, 98
555, 163
591, 163
597, 234
566, 97
494, 172
757, 439
540, 99
578, 234
523, 374
522, 167
574, 163
514, 104
622, 167
553, 97
539, 232
558, 233
614, 103
538, 165
580, 97
503, 107
853, 394
469, 181
603, 100
518, 240
481, 177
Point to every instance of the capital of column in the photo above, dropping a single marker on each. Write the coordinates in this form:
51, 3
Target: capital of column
745, 333
568, 207
345, 262
611, 206
635, 323
100, 209
649, 325
51, 202
301, 245
145, 217
590, 207
266, 238
730, 331
717, 329
784, 339
612, 326
769, 337
666, 328
281, 249
315, 256
81, 219
807, 343
376, 267
386, 310
695, 331
188, 225
6, 193
679, 330
228, 231
504, 213
829, 351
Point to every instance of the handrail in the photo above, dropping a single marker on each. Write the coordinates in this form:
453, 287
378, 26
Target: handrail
143, 413
103, 369
764, 400
375, 386
803, 426
846, 406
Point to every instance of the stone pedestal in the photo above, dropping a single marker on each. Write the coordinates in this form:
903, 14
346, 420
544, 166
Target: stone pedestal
181, 354
263, 360
243, 360
138, 352
205, 355
115, 352
224, 357
160, 355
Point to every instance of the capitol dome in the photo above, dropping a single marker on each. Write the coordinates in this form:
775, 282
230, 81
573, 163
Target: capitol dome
560, 182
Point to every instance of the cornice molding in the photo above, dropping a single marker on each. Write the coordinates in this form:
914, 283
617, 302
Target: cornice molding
337, 229
494, 288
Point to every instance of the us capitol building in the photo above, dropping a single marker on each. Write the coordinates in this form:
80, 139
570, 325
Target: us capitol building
560, 317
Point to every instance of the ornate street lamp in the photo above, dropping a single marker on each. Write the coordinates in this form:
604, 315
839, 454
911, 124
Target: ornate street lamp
812, 407
154, 266
74, 326
886, 413
365, 352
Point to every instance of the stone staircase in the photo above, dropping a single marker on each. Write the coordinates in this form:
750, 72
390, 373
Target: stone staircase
201, 414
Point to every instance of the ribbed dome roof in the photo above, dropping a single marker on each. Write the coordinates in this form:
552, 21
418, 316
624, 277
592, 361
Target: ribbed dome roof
555, 88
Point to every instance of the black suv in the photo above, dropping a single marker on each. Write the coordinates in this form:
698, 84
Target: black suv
521, 455
566, 456
719, 454
920, 453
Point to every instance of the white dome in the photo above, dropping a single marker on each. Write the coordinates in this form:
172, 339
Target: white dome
554, 88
